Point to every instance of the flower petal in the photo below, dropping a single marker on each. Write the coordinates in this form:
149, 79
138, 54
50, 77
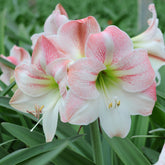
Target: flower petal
58, 69
138, 103
115, 123
75, 34
79, 111
108, 46
152, 38
135, 71
7, 73
156, 62
82, 77
32, 81
20, 55
55, 20
44, 53
50, 119
27, 104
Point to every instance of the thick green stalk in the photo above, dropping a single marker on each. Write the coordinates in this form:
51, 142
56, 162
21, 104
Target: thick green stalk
96, 143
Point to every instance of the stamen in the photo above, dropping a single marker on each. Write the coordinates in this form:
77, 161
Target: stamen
110, 105
115, 103
37, 112
40, 109
36, 124
118, 103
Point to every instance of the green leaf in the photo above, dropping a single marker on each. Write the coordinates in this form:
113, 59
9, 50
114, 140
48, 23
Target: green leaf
5, 103
7, 89
127, 151
3, 152
7, 63
158, 130
139, 126
24, 154
24, 134
4, 86
80, 146
9, 141
151, 154
68, 157
158, 115
146, 136
42, 159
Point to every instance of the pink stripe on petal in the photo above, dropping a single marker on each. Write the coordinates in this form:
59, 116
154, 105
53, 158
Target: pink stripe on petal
75, 34
121, 41
62, 11
136, 71
32, 81
44, 53
99, 46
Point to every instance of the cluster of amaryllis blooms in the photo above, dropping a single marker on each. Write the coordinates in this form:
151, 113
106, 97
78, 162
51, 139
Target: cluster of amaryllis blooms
82, 73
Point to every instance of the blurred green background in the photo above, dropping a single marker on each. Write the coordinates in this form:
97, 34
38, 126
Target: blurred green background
23, 18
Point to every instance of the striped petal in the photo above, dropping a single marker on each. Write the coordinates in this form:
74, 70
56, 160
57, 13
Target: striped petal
58, 70
25, 103
152, 38
32, 81
135, 71
109, 46
75, 34
82, 77
44, 53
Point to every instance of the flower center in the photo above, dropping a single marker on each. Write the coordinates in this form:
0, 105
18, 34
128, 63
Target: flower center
106, 80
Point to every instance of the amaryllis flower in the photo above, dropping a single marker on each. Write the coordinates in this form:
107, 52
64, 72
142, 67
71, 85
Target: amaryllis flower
112, 82
17, 56
72, 36
52, 23
161, 160
152, 40
40, 86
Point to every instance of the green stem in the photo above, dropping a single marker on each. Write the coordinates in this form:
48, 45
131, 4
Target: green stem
96, 143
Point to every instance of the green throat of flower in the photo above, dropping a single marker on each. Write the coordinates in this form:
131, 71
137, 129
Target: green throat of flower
52, 83
107, 78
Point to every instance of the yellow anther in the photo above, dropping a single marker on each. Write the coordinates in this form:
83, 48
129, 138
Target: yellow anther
40, 109
110, 105
118, 103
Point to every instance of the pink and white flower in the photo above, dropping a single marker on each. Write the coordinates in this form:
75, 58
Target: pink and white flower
17, 56
52, 23
72, 36
112, 82
152, 40
161, 160
40, 86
